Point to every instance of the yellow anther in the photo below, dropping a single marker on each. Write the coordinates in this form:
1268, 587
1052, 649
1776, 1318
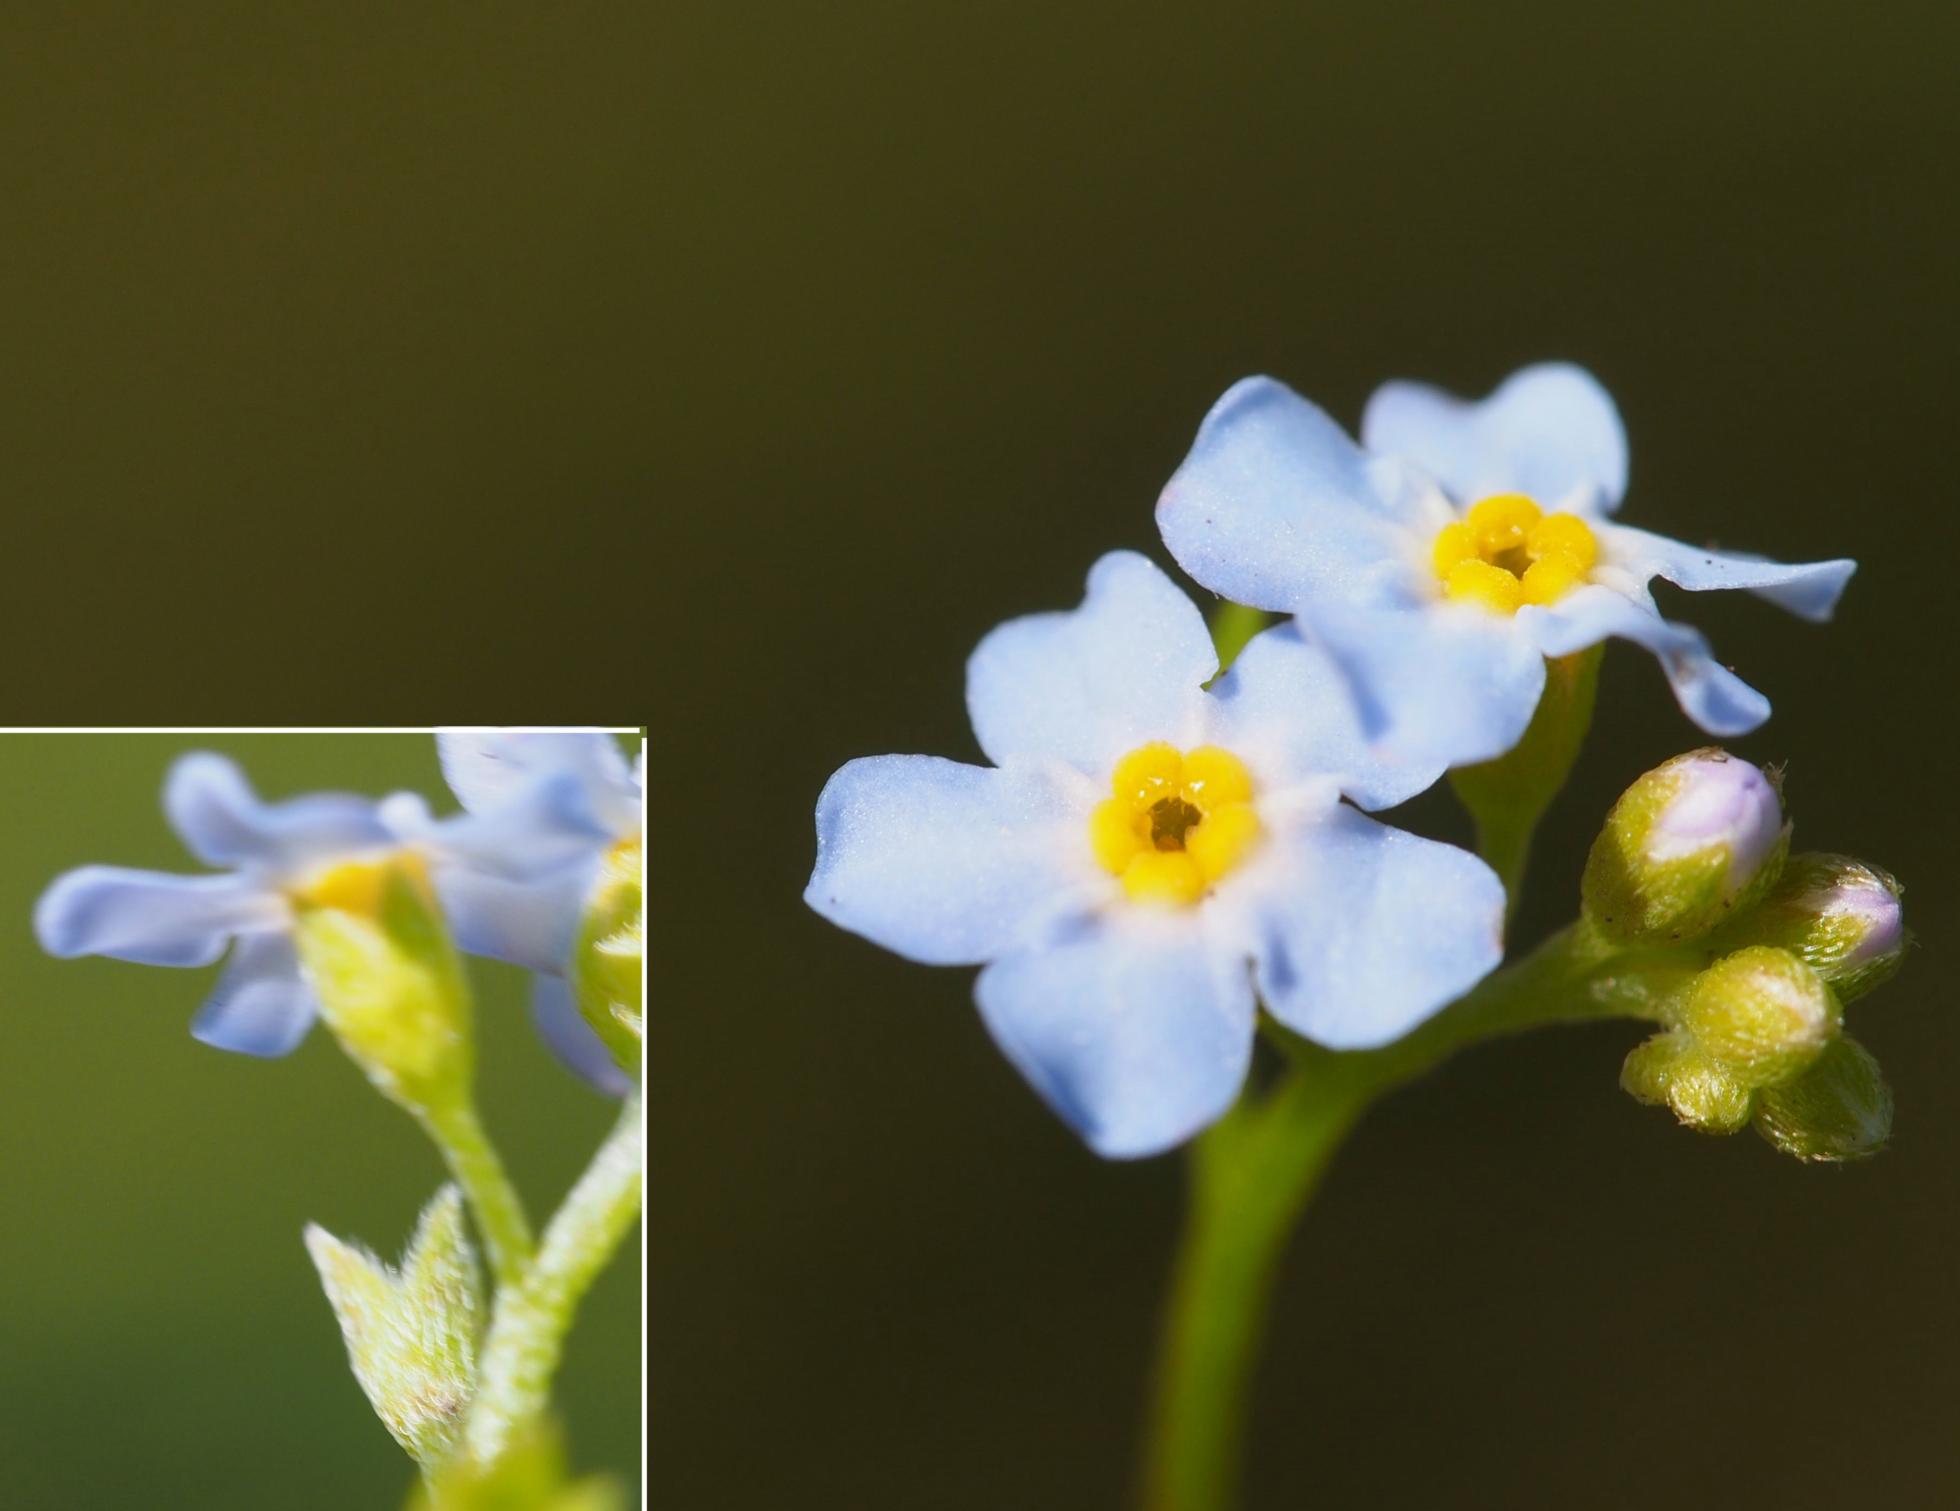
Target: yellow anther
1550, 578
1164, 876
1118, 831
1500, 523
1221, 841
1148, 773
1563, 535
1504, 553
1455, 542
1214, 777
1484, 583
1177, 821
357, 886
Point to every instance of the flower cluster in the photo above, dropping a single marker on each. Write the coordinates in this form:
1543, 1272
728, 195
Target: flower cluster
514, 871
1158, 850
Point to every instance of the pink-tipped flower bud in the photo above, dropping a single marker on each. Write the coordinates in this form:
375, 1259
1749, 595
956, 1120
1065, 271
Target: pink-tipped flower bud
1687, 846
1839, 916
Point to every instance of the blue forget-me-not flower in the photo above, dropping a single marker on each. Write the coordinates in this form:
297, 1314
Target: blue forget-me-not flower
267, 853
1147, 859
531, 917
1459, 545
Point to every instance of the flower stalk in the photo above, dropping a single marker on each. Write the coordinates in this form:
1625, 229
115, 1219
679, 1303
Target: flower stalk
531, 1318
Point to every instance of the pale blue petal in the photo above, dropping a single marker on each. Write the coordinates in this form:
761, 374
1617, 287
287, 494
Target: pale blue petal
1275, 507
1363, 931
1708, 692
529, 923
1134, 1031
1088, 685
951, 864
537, 829
212, 806
1287, 709
1549, 431
1810, 589
1444, 684
149, 917
486, 767
566, 1033
262, 1005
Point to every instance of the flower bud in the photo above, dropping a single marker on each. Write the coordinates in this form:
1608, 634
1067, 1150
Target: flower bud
1762, 1013
1839, 916
1687, 845
1671, 1070
1838, 1109
379, 957
606, 962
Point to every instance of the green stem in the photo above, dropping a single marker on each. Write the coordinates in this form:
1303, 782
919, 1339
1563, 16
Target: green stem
466, 1148
1508, 796
1255, 1171
530, 1320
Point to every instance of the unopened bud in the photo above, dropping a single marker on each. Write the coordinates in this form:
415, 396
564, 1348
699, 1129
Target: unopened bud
1838, 1109
1839, 916
378, 956
1762, 1013
1687, 845
1671, 1070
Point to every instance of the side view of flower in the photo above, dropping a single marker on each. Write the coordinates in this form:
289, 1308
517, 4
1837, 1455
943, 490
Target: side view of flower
351, 911
1147, 853
1459, 545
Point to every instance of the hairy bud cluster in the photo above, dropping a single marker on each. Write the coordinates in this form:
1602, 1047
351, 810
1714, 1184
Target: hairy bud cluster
1693, 861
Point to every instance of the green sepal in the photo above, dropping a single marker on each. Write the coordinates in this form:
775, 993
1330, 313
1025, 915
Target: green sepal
1826, 909
411, 1333
607, 959
530, 1475
1839, 1109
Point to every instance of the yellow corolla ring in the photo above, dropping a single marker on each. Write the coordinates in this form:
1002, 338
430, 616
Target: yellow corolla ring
1175, 822
1505, 552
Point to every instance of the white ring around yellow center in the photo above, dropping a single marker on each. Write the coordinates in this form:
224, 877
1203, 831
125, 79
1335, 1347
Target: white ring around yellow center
1175, 821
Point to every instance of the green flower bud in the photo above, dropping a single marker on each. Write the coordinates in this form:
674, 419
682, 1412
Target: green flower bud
410, 1333
378, 955
606, 962
1838, 1109
530, 1475
1839, 916
1671, 1070
1762, 1013
1686, 846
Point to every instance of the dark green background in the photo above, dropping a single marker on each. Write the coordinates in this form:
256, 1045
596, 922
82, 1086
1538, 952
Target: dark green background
388, 362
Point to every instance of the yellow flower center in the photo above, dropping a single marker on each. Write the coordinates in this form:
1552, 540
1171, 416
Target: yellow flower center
1176, 821
1505, 552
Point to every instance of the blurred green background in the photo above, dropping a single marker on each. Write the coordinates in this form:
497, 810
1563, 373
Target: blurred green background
381, 362
163, 1339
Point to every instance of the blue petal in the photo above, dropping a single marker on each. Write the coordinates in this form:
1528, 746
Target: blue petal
149, 917
1443, 684
951, 864
1089, 685
530, 923
566, 1033
1549, 431
212, 806
542, 825
1276, 507
1363, 931
486, 767
1134, 1031
1810, 590
262, 1005
1287, 709
1709, 693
